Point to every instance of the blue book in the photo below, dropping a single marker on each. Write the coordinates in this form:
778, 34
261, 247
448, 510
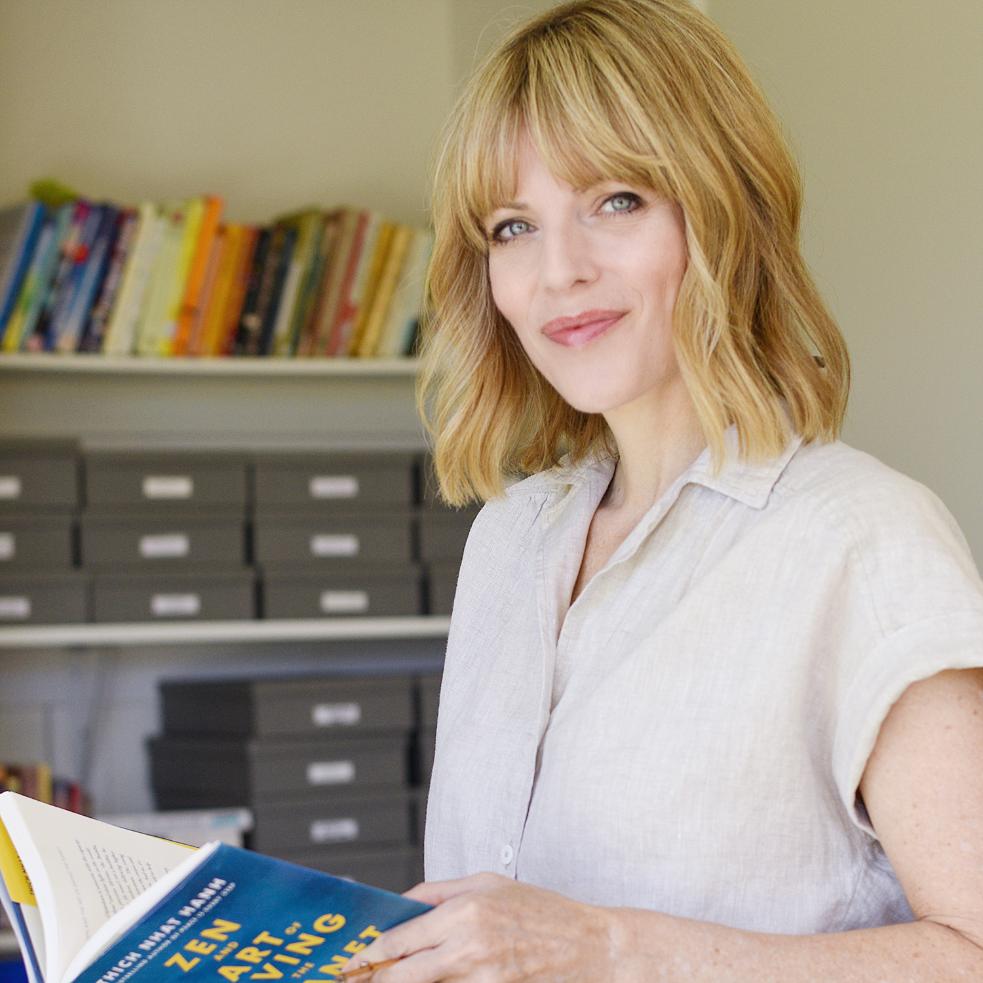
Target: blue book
89, 272
93, 903
20, 227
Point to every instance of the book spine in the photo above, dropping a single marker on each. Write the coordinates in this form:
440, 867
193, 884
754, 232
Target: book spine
96, 333
92, 273
249, 320
202, 241
36, 284
19, 256
121, 334
40, 338
347, 309
281, 271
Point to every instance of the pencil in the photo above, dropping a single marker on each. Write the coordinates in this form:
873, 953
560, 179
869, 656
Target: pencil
350, 974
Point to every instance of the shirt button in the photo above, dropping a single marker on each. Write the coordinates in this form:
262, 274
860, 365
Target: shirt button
507, 855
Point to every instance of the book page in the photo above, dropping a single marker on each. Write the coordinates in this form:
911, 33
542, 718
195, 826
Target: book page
82, 871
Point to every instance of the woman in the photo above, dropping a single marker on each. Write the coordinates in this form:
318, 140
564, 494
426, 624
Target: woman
712, 701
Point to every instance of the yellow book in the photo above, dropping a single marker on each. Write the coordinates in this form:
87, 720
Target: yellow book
201, 240
407, 300
213, 320
370, 283
368, 341
153, 310
219, 253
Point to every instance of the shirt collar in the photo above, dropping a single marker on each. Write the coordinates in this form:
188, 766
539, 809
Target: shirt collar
750, 482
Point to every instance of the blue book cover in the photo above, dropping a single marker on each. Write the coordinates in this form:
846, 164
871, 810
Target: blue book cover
97, 903
241, 917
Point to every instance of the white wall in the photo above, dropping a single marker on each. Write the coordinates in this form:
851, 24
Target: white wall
882, 101
274, 105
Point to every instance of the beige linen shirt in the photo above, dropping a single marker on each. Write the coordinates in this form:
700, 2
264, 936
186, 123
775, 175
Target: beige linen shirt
692, 740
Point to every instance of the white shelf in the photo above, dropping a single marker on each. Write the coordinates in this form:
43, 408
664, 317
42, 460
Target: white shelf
232, 366
220, 632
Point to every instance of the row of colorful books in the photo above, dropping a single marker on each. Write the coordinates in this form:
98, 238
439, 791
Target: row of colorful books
178, 280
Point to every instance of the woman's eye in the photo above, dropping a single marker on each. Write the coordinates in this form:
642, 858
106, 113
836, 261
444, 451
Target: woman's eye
623, 201
508, 230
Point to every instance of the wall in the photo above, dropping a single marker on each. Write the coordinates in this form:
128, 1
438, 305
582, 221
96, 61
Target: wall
274, 105
881, 100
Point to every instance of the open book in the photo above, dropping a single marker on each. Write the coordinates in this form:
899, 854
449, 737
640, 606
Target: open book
99, 904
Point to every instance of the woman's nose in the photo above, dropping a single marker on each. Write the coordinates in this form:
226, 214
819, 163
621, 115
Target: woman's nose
567, 258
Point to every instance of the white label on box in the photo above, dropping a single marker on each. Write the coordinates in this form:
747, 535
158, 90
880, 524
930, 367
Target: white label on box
9, 486
175, 605
336, 714
167, 545
344, 601
8, 545
15, 608
330, 545
330, 772
333, 486
159, 486
334, 830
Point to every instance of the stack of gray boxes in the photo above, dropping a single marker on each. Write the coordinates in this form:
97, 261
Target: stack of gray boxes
164, 536
334, 535
39, 502
322, 762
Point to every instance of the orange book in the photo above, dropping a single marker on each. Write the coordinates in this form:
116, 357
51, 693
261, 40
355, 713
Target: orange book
214, 311
226, 332
219, 251
196, 275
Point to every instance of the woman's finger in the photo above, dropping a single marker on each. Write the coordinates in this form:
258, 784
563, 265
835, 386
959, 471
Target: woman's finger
437, 892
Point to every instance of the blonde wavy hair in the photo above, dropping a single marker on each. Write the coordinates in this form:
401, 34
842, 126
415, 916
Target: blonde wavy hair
652, 93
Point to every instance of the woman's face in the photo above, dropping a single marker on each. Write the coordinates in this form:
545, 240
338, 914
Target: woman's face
588, 280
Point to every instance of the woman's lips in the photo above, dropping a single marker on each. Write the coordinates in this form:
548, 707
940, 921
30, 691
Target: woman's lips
585, 330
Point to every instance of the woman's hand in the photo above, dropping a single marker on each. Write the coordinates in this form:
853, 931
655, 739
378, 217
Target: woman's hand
488, 927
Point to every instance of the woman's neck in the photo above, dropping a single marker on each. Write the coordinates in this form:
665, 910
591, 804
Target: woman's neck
658, 438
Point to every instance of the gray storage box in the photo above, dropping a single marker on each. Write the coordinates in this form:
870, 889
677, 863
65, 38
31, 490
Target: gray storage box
39, 475
394, 869
441, 586
301, 706
333, 481
154, 542
174, 597
444, 534
333, 820
165, 480
227, 772
45, 543
360, 591
335, 540
44, 598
